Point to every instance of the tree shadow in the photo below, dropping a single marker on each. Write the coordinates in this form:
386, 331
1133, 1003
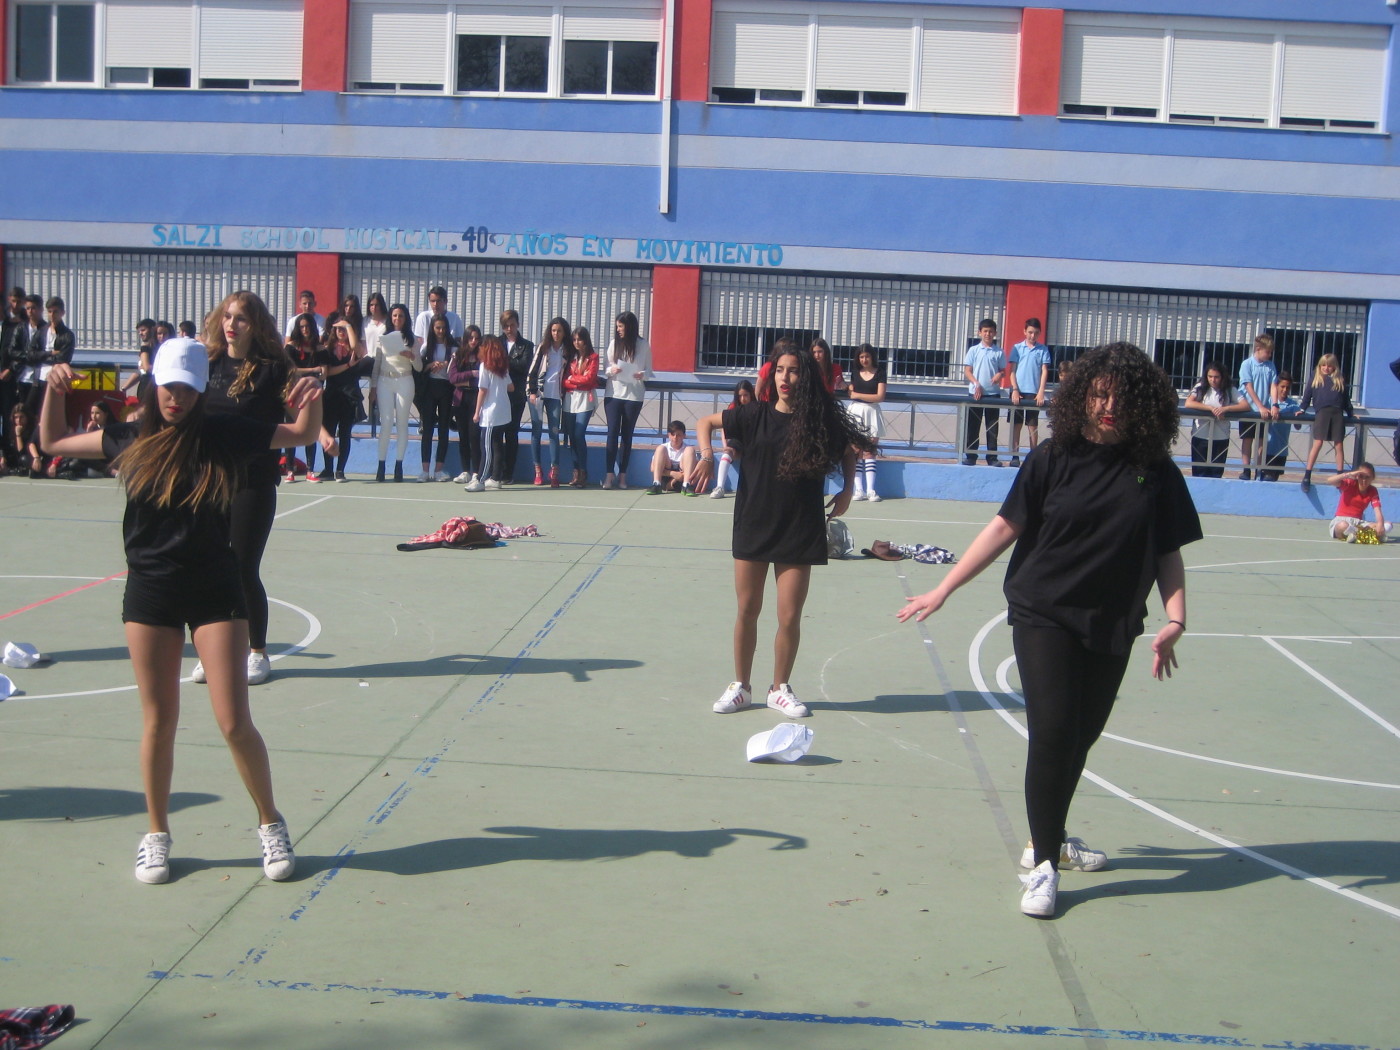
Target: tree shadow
456, 666
1352, 864
80, 803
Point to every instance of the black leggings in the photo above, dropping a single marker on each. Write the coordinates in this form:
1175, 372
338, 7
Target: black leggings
435, 413
250, 524
339, 421
1069, 693
468, 434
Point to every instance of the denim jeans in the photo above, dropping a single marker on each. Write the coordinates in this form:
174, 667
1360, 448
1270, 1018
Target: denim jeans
552, 406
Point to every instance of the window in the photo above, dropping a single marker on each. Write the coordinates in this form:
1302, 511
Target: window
1185, 332
55, 43
831, 54
549, 50
1225, 72
239, 44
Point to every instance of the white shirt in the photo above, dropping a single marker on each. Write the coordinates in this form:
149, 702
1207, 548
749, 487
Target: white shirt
623, 385
495, 410
423, 321
291, 326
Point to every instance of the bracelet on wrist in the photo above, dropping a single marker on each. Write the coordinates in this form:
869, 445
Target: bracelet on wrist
1178, 623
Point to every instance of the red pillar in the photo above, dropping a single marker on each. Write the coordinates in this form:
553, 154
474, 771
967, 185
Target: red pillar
319, 272
692, 54
1038, 82
325, 43
1024, 300
675, 318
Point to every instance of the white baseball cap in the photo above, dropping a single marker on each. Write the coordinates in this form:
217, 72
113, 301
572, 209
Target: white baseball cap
783, 743
181, 360
20, 654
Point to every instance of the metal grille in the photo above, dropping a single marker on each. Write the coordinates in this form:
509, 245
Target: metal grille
108, 292
1184, 332
921, 328
478, 292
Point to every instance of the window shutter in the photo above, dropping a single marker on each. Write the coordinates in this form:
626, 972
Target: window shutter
753, 50
1331, 78
969, 67
250, 40
1112, 66
150, 33
397, 44
1222, 75
498, 20
859, 53
588, 23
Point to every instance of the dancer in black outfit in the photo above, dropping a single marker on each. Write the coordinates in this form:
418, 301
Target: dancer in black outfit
1098, 514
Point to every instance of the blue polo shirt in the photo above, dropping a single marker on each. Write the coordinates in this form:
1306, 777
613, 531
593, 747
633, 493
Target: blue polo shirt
986, 363
1262, 375
1028, 360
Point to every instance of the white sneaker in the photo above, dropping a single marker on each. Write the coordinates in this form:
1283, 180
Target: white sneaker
491, 483
197, 675
259, 667
474, 484
735, 697
717, 493
153, 858
780, 698
1038, 900
278, 859
441, 475
425, 476
1074, 855
462, 478
873, 497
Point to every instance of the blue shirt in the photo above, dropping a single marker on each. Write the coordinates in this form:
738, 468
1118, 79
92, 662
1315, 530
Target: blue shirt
1028, 360
1278, 432
1262, 375
986, 363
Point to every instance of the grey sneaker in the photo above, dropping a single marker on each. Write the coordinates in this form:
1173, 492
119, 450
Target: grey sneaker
153, 858
278, 859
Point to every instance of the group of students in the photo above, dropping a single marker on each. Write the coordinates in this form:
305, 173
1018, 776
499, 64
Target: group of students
1097, 515
458, 377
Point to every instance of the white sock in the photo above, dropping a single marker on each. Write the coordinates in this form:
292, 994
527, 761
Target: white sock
722, 471
860, 483
867, 466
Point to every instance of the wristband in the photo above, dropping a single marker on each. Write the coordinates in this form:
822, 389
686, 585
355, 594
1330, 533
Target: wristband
1178, 623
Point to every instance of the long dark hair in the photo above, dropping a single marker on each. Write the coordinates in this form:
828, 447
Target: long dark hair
1203, 387
405, 329
304, 344
626, 346
430, 341
354, 313
377, 298
168, 465
573, 352
547, 340
465, 351
821, 431
1145, 403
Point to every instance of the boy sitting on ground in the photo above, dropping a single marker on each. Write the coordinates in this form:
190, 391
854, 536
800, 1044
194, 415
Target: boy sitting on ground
673, 463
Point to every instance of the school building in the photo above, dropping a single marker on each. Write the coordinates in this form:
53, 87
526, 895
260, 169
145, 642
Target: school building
1179, 173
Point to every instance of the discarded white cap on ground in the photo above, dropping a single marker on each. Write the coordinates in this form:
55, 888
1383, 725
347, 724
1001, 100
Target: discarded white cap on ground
21, 654
783, 743
7, 688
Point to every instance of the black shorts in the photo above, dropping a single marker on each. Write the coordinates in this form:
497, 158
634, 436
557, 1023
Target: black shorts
1251, 429
1025, 416
161, 602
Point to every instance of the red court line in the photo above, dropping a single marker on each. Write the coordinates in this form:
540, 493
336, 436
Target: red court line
56, 597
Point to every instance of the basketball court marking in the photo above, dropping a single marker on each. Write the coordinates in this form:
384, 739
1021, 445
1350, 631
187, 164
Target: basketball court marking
974, 659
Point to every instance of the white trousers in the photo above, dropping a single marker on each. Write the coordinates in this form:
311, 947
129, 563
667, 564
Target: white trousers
395, 397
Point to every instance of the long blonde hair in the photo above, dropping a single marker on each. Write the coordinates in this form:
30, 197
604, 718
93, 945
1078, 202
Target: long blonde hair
168, 465
1338, 383
266, 345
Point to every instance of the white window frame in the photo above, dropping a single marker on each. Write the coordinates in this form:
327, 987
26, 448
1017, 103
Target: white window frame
646, 13
808, 21
289, 52
1081, 99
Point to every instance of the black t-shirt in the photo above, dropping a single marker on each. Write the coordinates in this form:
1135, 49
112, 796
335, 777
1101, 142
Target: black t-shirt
774, 520
1094, 526
180, 541
261, 398
868, 386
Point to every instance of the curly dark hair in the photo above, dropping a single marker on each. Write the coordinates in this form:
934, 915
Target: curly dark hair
1148, 420
821, 431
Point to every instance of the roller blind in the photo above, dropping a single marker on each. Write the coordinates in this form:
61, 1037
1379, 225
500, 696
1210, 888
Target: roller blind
507, 20
398, 44
1334, 79
857, 53
250, 40
756, 50
1113, 66
589, 23
1222, 75
969, 67
150, 33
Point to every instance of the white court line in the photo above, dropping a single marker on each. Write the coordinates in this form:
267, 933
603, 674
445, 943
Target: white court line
313, 631
303, 506
1005, 684
974, 655
1277, 561
1337, 689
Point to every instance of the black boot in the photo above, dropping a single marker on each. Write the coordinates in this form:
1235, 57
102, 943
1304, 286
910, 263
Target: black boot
379, 474
398, 471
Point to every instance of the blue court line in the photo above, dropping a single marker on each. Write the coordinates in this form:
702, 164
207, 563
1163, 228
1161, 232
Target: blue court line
399, 794
1132, 1035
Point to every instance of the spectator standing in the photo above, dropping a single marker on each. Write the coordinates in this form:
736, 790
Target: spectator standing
520, 353
26, 346
1276, 451
983, 369
1210, 435
306, 304
1327, 394
546, 400
145, 348
464, 373
13, 321
580, 383
393, 379
492, 409
628, 368
867, 392
308, 358
436, 395
1030, 368
1257, 378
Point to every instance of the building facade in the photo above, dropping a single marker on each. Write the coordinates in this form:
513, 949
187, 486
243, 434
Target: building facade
1179, 173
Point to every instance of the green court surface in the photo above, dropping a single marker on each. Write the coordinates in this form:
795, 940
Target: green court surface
519, 824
